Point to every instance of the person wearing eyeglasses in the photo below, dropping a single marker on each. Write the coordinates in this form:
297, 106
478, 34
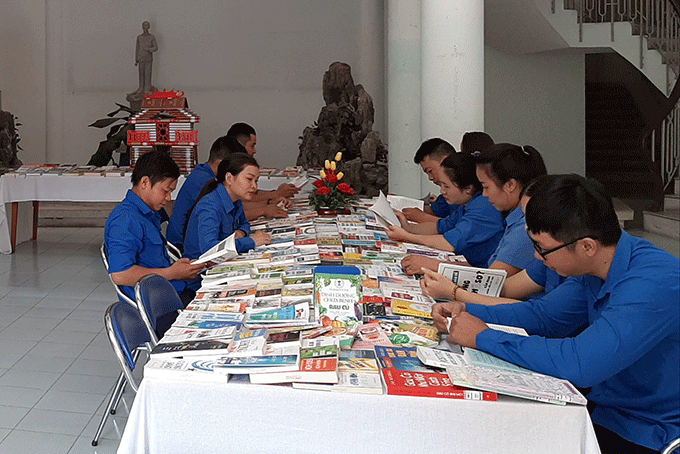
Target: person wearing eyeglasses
623, 298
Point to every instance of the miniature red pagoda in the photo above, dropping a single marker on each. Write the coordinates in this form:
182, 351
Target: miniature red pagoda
165, 119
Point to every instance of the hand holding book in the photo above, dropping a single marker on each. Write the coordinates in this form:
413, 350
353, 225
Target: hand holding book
437, 286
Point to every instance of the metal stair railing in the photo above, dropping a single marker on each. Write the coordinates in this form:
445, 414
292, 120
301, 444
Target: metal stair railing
662, 139
656, 21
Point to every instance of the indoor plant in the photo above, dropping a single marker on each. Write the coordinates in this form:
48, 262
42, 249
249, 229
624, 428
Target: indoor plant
330, 194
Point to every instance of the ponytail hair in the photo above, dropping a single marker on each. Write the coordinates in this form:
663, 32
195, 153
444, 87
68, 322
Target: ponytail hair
461, 170
233, 164
504, 162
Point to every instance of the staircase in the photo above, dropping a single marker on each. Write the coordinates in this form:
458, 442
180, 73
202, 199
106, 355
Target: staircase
667, 221
614, 155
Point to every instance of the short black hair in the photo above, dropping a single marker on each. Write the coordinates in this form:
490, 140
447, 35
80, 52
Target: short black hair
157, 165
475, 141
504, 162
241, 131
571, 206
223, 147
461, 170
435, 148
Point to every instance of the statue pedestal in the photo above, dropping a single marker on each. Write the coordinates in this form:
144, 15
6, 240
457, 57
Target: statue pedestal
135, 100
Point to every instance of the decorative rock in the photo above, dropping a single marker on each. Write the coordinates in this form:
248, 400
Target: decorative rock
345, 124
8, 142
369, 147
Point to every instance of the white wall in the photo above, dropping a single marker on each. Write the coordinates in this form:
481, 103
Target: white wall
65, 63
538, 100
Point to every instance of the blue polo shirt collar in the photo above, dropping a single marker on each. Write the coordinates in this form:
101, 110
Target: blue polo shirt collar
225, 198
617, 269
138, 202
515, 216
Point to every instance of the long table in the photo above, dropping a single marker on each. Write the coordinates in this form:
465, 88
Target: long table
20, 194
217, 417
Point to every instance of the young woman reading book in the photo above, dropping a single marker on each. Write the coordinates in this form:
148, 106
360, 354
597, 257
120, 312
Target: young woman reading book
503, 169
218, 211
473, 228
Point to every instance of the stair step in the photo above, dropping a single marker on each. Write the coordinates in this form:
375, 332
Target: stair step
620, 143
671, 202
665, 222
617, 166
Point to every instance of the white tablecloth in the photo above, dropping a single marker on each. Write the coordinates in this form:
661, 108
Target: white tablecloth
67, 189
173, 416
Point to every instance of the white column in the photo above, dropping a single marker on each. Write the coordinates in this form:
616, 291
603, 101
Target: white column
403, 95
452, 90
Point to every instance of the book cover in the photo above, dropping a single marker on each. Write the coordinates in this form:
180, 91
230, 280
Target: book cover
403, 307
337, 296
207, 347
405, 375
484, 281
221, 252
368, 336
256, 364
532, 386
317, 365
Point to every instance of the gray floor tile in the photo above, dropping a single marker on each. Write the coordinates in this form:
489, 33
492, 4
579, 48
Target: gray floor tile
77, 402
10, 416
56, 422
22, 442
17, 396
29, 379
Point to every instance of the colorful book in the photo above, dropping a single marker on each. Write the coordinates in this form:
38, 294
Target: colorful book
484, 281
337, 294
256, 364
317, 365
405, 375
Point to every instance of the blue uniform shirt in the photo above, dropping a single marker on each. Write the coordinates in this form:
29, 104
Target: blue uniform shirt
133, 237
474, 230
214, 218
441, 208
515, 247
629, 351
543, 276
186, 198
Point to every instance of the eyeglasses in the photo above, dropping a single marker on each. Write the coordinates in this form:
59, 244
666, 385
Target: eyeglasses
543, 252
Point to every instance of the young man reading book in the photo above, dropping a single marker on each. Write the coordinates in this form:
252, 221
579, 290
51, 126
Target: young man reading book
623, 300
134, 243
202, 174
246, 136
429, 156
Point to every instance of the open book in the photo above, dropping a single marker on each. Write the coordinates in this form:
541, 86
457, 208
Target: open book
398, 202
484, 281
221, 252
384, 211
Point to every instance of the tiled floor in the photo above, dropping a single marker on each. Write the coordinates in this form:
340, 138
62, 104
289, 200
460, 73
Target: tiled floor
56, 365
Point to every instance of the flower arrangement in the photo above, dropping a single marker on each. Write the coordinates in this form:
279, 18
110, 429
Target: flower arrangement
330, 193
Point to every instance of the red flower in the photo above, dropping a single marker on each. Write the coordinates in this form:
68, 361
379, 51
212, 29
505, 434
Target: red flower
318, 183
345, 188
323, 190
331, 177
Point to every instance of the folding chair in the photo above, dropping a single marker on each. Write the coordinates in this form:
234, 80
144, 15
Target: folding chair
128, 336
173, 251
157, 299
672, 447
121, 295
